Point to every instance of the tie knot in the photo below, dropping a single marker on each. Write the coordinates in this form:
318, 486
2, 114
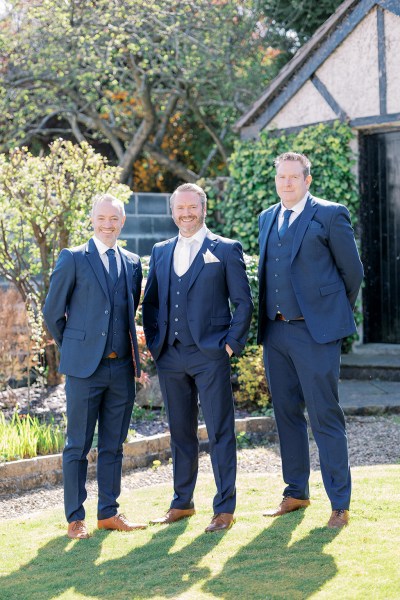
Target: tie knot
110, 252
286, 214
187, 241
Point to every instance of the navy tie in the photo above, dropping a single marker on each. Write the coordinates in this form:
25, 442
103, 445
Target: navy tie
284, 227
112, 265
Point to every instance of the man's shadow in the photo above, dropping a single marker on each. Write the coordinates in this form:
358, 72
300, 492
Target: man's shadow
156, 568
270, 567
56, 568
62, 565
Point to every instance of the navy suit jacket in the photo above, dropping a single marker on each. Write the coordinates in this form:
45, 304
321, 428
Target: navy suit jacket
213, 286
326, 271
77, 309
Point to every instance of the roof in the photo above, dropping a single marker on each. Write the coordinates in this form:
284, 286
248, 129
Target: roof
308, 58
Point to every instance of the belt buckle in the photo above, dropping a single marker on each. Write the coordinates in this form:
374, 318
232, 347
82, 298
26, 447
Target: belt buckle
280, 317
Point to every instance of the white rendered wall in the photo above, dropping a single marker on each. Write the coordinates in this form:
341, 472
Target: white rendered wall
392, 35
307, 106
351, 72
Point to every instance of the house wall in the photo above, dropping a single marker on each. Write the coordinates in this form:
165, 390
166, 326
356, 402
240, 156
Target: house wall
351, 72
351, 78
392, 35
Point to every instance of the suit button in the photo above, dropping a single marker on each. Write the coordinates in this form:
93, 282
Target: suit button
176, 333
106, 312
176, 319
103, 333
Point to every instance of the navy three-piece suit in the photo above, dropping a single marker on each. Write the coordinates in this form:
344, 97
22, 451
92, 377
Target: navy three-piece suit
310, 277
187, 322
91, 317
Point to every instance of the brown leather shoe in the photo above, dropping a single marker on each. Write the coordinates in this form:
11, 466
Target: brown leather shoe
220, 522
77, 530
119, 522
173, 515
287, 505
339, 518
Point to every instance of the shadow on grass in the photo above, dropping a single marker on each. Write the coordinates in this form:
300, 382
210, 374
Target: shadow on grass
153, 569
271, 567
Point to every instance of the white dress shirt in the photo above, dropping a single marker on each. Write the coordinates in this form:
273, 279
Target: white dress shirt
297, 210
102, 249
195, 243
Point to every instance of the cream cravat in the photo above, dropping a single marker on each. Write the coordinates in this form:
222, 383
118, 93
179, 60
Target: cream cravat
184, 251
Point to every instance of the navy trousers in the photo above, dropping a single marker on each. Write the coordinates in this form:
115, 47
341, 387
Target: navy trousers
303, 374
187, 377
105, 397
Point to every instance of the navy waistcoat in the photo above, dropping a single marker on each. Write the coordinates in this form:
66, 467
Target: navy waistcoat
280, 296
178, 326
118, 338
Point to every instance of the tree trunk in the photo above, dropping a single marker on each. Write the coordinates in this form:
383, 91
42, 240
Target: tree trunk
52, 361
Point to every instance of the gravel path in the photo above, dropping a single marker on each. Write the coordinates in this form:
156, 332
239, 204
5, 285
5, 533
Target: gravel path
372, 441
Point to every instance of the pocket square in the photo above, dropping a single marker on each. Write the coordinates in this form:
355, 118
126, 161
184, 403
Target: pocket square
210, 258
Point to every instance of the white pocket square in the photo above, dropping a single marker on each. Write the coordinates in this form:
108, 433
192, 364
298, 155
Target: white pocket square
210, 258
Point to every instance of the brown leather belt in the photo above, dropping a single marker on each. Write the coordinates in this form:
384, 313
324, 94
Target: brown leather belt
280, 317
112, 355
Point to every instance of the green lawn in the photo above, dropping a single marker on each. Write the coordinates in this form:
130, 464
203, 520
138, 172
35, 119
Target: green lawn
291, 557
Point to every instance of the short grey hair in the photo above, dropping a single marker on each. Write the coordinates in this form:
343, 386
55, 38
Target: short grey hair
189, 187
295, 156
99, 198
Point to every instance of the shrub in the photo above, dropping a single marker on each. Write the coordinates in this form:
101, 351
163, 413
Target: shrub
251, 187
252, 393
236, 202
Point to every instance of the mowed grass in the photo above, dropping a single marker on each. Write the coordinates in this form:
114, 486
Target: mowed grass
291, 557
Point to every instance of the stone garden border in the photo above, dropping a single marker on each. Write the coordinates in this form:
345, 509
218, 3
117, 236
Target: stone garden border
29, 474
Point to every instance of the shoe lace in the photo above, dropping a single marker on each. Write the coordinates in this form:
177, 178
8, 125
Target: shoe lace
340, 512
121, 517
78, 526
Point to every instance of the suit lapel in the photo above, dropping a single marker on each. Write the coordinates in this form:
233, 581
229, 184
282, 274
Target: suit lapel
164, 268
268, 221
210, 243
127, 270
304, 221
96, 264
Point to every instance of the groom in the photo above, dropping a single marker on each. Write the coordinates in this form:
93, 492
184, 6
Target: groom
191, 333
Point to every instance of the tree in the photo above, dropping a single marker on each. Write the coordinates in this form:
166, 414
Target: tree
44, 207
128, 73
299, 17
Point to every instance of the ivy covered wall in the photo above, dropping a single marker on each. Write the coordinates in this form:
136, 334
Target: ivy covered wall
250, 189
235, 203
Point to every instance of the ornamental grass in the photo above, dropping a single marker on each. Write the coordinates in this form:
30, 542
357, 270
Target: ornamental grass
26, 437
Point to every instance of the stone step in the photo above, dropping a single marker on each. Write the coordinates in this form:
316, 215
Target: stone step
372, 361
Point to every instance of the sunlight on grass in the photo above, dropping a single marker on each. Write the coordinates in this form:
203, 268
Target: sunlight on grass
293, 557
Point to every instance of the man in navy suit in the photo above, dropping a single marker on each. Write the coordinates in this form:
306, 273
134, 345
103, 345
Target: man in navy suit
191, 335
90, 308
309, 276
